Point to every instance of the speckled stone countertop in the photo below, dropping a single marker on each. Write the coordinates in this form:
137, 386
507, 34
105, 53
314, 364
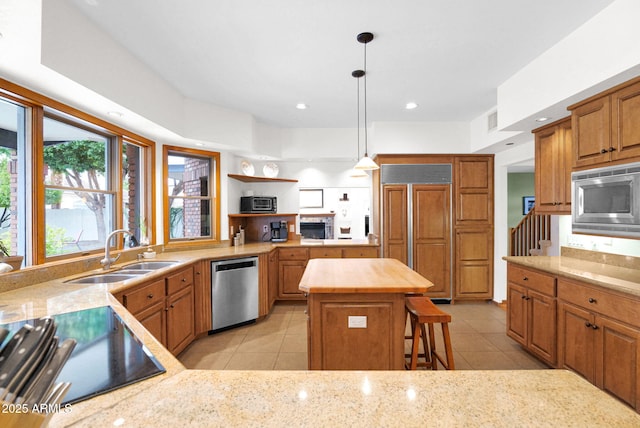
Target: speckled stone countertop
618, 273
182, 397
368, 399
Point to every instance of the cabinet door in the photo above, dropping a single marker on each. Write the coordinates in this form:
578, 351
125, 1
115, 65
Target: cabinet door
289, 278
202, 296
474, 263
474, 191
432, 236
542, 326
517, 313
618, 352
554, 158
395, 222
153, 319
576, 340
625, 117
360, 252
273, 276
180, 320
591, 124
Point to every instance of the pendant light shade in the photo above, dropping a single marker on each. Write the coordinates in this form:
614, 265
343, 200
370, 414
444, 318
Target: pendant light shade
365, 163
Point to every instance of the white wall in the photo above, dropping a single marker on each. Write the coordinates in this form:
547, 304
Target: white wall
602, 52
501, 234
627, 247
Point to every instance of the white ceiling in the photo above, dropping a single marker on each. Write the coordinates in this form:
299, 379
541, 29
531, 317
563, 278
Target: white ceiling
263, 57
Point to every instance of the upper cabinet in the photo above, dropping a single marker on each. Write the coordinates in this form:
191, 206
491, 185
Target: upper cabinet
473, 190
606, 127
554, 159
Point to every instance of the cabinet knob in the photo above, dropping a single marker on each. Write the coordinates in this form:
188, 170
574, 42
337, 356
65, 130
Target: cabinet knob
197, 273
171, 306
525, 279
524, 297
592, 300
588, 324
150, 296
611, 149
593, 326
603, 151
184, 279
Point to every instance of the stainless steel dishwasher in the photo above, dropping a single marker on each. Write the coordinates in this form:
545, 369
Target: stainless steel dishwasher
234, 292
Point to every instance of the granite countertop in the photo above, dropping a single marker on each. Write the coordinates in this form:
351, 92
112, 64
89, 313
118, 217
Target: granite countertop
618, 278
182, 397
368, 399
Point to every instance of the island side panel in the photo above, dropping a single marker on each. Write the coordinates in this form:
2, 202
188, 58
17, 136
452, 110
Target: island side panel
333, 345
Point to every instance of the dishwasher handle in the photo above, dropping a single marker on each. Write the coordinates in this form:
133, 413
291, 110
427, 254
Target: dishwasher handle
235, 264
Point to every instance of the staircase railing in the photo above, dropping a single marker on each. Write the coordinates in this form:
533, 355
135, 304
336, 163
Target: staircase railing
529, 232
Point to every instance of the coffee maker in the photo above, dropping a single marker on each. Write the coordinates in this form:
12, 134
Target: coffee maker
278, 231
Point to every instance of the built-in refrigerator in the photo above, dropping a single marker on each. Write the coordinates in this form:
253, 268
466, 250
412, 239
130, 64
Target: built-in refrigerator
417, 221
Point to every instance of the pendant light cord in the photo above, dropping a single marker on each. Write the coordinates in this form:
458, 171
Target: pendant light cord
358, 121
366, 146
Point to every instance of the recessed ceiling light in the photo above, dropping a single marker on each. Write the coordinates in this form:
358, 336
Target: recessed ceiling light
200, 144
411, 106
115, 113
542, 119
302, 106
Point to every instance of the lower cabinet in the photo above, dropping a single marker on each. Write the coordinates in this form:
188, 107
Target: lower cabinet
166, 308
473, 263
599, 338
531, 318
292, 261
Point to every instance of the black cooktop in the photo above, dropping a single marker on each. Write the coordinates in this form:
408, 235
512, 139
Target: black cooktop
107, 356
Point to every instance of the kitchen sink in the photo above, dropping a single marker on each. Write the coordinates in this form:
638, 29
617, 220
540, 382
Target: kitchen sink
127, 271
105, 278
149, 265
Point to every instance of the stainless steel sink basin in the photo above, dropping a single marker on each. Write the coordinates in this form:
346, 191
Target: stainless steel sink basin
150, 265
138, 272
106, 278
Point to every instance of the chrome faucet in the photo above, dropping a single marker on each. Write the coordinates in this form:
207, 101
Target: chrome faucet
107, 261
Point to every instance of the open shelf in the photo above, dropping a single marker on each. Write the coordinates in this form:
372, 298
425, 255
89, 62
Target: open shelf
262, 215
253, 179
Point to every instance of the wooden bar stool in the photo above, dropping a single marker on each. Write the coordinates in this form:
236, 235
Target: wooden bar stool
421, 311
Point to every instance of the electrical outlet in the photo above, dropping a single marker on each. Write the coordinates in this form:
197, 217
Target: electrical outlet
265, 228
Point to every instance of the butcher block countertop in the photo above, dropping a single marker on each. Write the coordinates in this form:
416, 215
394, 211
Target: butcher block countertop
361, 276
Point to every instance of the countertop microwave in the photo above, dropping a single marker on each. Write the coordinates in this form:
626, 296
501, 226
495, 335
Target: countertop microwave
258, 204
606, 201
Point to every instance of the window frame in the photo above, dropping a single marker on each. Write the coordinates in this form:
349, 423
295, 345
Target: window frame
40, 106
214, 196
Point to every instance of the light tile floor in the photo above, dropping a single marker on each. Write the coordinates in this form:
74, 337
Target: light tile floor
279, 342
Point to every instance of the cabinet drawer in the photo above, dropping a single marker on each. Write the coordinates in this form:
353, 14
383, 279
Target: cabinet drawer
542, 283
144, 297
293, 254
360, 252
320, 253
600, 301
179, 280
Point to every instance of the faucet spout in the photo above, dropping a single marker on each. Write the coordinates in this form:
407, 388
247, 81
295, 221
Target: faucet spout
108, 260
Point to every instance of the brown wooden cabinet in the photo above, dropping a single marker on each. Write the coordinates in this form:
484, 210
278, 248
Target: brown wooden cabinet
605, 127
292, 261
474, 263
599, 338
553, 163
166, 308
473, 227
202, 296
531, 306
427, 236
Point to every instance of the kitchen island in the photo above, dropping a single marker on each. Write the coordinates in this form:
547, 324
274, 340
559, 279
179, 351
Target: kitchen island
356, 312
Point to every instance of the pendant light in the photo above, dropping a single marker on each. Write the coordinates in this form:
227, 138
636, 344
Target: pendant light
358, 173
366, 163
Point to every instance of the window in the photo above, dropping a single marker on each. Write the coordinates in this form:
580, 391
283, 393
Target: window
67, 179
79, 193
13, 134
191, 202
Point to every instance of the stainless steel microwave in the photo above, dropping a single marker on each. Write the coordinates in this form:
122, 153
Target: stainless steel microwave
606, 201
258, 204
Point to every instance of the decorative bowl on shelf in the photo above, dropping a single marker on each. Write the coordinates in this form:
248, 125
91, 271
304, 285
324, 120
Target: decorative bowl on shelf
270, 170
247, 168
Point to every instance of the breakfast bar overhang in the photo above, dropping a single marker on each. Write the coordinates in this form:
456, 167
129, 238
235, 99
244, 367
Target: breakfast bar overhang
356, 312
